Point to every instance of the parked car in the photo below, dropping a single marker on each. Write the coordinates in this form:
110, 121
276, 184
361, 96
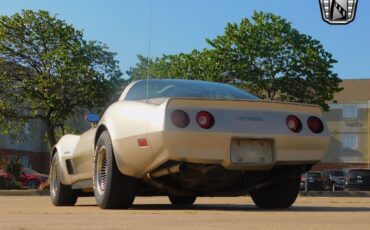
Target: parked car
3, 173
28, 178
314, 181
31, 178
333, 180
357, 180
186, 138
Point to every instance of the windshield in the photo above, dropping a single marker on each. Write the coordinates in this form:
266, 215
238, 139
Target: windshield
187, 89
30, 171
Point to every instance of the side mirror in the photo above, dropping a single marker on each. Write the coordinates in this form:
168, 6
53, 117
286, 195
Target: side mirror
92, 118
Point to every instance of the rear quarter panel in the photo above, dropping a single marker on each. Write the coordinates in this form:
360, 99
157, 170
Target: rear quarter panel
126, 122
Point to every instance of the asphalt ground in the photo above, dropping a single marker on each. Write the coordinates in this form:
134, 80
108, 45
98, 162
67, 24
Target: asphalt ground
37, 212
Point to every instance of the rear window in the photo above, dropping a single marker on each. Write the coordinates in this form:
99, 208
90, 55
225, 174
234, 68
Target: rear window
314, 175
359, 172
185, 89
337, 173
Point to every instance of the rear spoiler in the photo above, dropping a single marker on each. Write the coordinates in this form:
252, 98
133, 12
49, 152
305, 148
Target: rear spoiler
261, 105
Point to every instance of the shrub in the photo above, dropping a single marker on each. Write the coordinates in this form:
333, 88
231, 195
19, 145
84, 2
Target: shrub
13, 169
9, 183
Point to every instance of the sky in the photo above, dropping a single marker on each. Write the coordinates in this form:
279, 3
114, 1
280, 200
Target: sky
182, 25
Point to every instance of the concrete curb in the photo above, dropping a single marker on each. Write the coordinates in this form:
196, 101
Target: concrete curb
336, 193
29, 192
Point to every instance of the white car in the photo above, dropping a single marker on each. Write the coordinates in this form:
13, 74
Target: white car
185, 139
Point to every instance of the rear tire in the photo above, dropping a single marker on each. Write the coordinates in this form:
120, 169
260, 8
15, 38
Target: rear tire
182, 200
277, 196
112, 189
60, 194
33, 184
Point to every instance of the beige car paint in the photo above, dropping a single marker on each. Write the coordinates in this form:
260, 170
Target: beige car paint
128, 121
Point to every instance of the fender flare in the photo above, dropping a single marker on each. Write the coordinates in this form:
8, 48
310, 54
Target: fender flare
64, 148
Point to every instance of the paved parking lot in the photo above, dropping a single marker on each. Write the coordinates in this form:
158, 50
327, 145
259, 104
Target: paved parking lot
36, 212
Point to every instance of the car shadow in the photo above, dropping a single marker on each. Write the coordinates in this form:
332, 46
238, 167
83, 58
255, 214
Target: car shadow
238, 208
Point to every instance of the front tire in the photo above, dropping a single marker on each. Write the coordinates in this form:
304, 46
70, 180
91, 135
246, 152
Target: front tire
112, 189
277, 196
60, 194
182, 200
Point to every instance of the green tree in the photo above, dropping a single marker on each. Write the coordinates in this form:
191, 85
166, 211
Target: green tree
48, 71
195, 65
264, 55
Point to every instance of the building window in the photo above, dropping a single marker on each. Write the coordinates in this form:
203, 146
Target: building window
13, 158
26, 128
350, 142
25, 161
350, 112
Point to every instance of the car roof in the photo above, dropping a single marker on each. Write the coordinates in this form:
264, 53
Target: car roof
333, 170
186, 82
365, 169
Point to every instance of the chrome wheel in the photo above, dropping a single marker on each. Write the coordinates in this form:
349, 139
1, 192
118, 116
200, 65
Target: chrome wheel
60, 194
53, 179
101, 169
112, 189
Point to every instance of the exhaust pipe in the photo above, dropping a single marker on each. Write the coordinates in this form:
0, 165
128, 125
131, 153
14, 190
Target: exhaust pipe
150, 179
165, 188
169, 170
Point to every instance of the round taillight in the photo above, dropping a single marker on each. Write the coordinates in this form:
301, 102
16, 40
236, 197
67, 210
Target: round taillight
315, 124
180, 118
293, 123
205, 119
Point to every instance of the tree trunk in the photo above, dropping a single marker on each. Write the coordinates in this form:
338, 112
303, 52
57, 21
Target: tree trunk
50, 134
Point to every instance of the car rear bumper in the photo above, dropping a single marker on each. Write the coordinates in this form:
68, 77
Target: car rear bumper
315, 186
208, 147
312, 186
339, 184
357, 187
216, 148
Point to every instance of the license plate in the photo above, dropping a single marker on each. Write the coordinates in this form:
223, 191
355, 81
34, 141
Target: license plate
360, 181
251, 151
311, 180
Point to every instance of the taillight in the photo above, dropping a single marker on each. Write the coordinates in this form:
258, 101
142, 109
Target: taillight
205, 119
180, 118
315, 124
293, 123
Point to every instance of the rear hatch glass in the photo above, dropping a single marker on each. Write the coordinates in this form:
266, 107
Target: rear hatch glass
337, 173
360, 172
314, 175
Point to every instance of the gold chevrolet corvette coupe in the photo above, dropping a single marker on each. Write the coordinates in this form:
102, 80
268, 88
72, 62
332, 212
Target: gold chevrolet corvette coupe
186, 139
